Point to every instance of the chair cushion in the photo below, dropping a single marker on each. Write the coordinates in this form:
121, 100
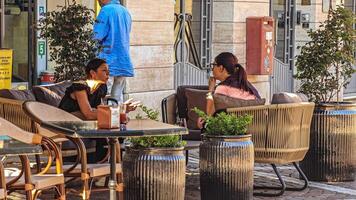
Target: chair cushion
222, 102
22, 95
192, 145
193, 135
89, 143
285, 97
195, 98
303, 97
182, 99
51, 94
41, 181
95, 170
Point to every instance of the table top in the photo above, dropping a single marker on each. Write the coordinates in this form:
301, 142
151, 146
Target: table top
12, 147
135, 128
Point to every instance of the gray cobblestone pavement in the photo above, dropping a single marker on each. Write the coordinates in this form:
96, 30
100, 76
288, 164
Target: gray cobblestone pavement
263, 175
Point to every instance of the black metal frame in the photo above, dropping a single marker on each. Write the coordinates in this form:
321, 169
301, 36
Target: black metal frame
283, 186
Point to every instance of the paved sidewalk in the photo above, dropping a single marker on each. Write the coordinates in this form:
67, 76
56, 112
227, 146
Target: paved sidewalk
263, 175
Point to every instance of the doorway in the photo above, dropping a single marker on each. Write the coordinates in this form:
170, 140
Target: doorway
17, 33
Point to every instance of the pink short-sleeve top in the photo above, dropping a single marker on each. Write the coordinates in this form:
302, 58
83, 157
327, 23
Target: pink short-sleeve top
234, 92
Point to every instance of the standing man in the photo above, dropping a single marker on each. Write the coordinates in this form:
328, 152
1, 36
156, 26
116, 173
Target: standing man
112, 29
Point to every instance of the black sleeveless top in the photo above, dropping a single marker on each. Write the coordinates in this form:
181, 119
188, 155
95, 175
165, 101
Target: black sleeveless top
71, 105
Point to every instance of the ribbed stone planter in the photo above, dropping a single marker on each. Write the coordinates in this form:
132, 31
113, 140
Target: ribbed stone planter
226, 167
332, 153
154, 174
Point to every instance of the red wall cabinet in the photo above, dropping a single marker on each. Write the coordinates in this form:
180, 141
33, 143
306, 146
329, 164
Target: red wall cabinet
259, 45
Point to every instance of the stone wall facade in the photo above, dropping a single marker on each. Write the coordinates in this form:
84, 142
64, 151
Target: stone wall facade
229, 33
152, 40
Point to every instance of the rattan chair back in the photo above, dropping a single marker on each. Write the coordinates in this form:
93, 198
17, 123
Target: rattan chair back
280, 132
11, 110
11, 130
40, 112
169, 109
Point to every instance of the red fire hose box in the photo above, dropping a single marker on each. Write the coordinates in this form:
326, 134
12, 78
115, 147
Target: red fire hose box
259, 45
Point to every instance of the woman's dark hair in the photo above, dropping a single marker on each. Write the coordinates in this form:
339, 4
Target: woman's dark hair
94, 64
238, 74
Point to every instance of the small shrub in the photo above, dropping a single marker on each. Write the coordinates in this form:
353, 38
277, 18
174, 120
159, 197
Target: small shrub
325, 63
224, 124
71, 39
168, 141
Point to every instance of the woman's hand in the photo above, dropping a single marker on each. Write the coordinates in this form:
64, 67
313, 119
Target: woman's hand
131, 106
200, 123
212, 83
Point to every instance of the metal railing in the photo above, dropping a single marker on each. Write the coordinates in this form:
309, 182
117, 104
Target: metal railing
188, 74
282, 78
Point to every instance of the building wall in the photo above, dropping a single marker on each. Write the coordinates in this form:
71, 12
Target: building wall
318, 10
152, 40
318, 13
229, 32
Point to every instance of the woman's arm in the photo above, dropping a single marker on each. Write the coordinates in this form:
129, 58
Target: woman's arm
210, 108
84, 105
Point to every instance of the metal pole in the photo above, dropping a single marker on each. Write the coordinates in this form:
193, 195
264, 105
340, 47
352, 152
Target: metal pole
182, 49
2, 22
112, 181
292, 53
31, 49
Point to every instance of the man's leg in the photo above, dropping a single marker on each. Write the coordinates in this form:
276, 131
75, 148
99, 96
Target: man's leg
109, 84
117, 90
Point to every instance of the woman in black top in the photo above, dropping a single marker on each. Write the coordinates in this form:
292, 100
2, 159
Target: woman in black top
82, 97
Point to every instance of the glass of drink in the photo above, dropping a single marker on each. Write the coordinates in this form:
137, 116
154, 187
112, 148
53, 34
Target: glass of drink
123, 114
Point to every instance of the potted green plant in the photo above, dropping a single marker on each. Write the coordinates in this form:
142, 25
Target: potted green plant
324, 67
154, 167
70, 37
226, 157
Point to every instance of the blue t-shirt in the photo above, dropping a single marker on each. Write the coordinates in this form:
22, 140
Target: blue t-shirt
112, 29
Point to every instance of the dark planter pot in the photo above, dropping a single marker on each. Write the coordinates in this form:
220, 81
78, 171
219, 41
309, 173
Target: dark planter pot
226, 167
332, 153
154, 174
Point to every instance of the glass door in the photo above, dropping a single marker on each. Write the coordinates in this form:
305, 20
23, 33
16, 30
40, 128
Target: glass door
2, 22
17, 34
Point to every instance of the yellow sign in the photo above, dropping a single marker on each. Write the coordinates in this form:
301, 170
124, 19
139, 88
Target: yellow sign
5, 68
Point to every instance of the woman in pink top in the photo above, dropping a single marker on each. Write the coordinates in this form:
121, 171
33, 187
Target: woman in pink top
233, 81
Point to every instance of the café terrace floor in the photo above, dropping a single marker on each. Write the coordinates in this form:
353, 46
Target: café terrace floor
263, 175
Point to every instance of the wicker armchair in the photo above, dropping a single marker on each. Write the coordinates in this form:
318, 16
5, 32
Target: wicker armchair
3, 192
280, 134
11, 110
33, 184
175, 111
41, 112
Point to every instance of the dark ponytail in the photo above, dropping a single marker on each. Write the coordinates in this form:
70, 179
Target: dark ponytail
238, 76
241, 77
